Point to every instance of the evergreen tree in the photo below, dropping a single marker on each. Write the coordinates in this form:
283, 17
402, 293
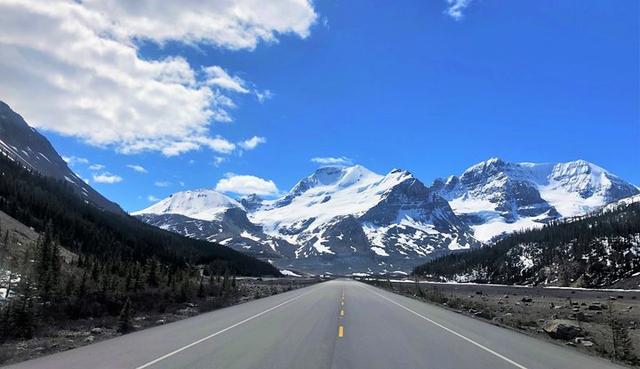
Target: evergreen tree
152, 276
124, 321
201, 293
22, 313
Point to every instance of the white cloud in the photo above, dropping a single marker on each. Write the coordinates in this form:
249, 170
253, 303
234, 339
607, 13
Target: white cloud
263, 95
340, 160
137, 168
107, 177
218, 144
96, 167
152, 198
74, 160
237, 24
252, 142
217, 161
216, 76
162, 183
456, 7
246, 185
81, 62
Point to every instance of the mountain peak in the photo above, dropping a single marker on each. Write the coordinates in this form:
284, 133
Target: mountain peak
497, 196
251, 202
492, 164
203, 204
334, 176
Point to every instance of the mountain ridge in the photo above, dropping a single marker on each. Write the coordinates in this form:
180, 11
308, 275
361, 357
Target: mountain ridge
350, 212
21, 142
497, 196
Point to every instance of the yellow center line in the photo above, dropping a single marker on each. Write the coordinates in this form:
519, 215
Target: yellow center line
340, 327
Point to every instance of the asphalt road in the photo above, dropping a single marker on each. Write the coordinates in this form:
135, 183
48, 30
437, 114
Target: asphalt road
337, 324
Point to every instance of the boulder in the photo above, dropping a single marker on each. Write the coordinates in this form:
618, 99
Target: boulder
562, 329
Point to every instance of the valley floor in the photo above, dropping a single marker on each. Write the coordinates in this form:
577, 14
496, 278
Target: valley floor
339, 324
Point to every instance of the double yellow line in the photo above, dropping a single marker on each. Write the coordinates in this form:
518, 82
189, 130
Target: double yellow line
340, 326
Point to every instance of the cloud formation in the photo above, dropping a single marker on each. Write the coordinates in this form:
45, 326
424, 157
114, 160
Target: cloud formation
217, 161
246, 185
252, 143
162, 183
216, 76
106, 178
81, 62
329, 160
74, 160
137, 168
456, 7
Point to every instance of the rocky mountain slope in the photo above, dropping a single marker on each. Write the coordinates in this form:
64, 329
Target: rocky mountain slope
20, 142
337, 219
497, 196
350, 219
215, 217
596, 250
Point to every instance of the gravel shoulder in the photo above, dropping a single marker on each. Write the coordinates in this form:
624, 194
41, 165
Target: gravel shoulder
605, 323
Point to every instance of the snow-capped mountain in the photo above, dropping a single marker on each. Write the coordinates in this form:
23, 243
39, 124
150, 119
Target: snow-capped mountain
353, 211
496, 196
350, 219
213, 216
199, 204
338, 219
23, 144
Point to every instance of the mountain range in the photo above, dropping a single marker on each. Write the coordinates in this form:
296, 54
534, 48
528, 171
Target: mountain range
352, 220
348, 219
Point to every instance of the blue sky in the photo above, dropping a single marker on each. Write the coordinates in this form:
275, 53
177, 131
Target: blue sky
407, 86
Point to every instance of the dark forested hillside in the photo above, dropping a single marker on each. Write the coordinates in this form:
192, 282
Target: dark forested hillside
36, 200
87, 263
595, 250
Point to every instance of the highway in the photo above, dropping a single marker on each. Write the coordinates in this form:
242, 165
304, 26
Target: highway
339, 324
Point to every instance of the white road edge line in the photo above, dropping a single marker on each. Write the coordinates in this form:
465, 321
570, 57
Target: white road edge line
449, 330
219, 332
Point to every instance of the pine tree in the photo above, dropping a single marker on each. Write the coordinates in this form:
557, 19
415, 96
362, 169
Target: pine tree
5, 323
82, 288
124, 321
152, 275
22, 314
201, 287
